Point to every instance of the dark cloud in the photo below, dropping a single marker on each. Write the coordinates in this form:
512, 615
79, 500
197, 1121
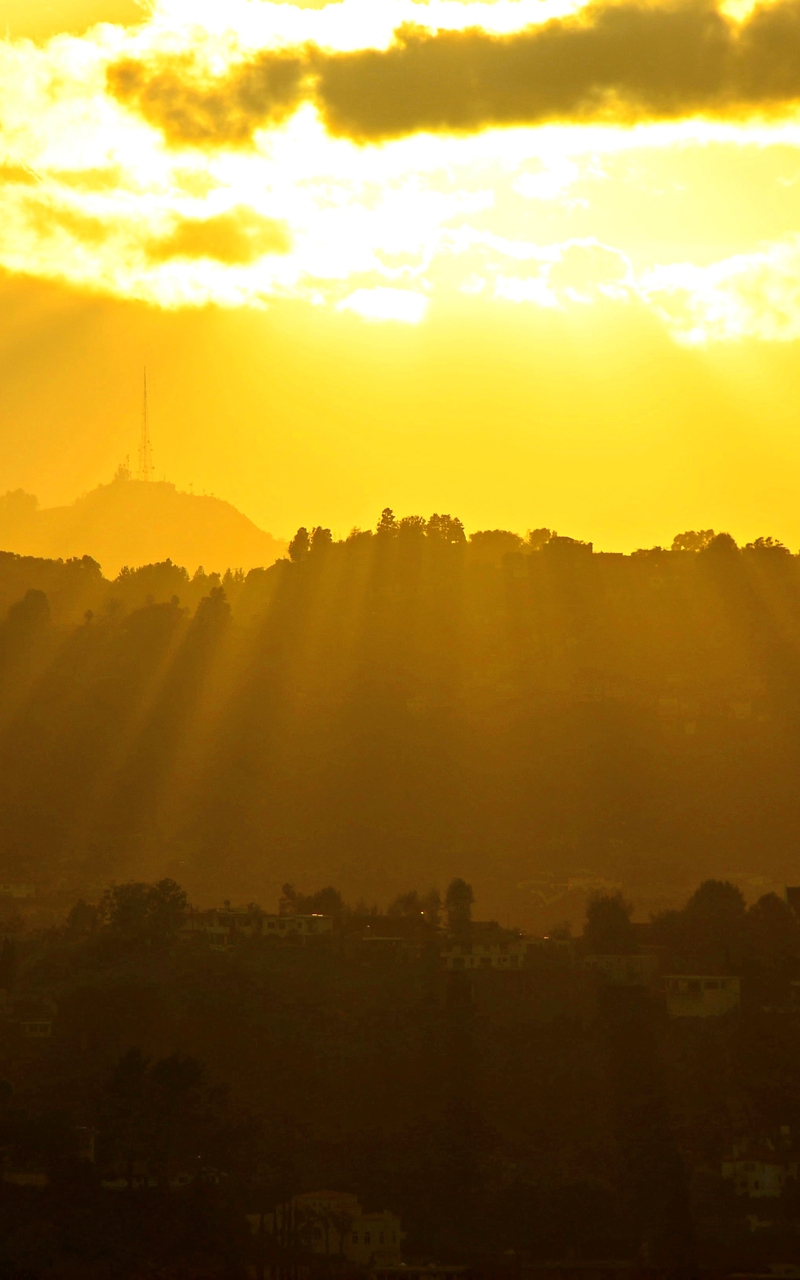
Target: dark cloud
235, 238
189, 109
616, 62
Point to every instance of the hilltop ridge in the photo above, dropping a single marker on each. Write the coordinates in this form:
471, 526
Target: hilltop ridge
137, 522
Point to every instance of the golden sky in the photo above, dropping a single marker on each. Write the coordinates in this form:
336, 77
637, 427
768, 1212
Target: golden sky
530, 262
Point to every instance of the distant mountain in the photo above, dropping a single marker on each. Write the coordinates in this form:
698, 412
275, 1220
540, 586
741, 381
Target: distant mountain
137, 522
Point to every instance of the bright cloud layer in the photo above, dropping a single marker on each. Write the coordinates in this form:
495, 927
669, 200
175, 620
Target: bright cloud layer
225, 154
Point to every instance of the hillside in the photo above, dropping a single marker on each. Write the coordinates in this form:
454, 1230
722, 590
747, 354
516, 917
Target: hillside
388, 711
135, 522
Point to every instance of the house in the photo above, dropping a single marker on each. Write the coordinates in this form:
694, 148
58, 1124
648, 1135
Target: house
37, 1028
624, 971
550, 952
221, 926
302, 927
701, 995
224, 926
332, 1223
760, 1174
374, 1238
31, 1016
486, 953
18, 891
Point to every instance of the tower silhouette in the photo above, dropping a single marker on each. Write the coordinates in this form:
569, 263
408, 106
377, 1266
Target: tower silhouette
145, 452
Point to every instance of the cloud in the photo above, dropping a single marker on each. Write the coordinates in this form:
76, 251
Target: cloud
206, 208
36, 20
555, 275
191, 108
47, 220
403, 305
755, 295
16, 175
235, 238
611, 62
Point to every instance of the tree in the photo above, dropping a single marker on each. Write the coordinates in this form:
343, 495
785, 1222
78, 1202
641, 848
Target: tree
446, 529
325, 902
773, 930
387, 525
769, 545
137, 910
538, 538
714, 925
608, 930
213, 612
692, 540
299, 545
82, 919
405, 904
162, 1113
458, 904
716, 902
321, 539
432, 907
722, 544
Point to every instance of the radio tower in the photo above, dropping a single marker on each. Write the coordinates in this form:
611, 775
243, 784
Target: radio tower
145, 452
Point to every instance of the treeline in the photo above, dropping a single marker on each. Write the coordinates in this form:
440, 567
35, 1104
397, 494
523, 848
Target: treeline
401, 704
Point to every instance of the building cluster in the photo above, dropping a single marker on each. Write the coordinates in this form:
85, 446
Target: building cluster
484, 946
224, 926
332, 1224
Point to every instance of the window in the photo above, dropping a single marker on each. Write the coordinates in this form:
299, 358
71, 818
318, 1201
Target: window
355, 1237
367, 1238
380, 1238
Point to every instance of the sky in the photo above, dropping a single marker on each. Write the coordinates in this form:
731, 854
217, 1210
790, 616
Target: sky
534, 262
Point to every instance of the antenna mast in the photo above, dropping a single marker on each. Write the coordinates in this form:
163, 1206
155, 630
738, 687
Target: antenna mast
145, 452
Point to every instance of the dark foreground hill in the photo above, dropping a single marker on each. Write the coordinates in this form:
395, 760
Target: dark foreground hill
132, 522
400, 707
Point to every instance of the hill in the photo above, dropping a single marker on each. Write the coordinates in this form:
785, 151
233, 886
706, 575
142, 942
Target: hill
137, 522
388, 711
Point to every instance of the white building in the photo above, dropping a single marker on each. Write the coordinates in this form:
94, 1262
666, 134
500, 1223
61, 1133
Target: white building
701, 995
